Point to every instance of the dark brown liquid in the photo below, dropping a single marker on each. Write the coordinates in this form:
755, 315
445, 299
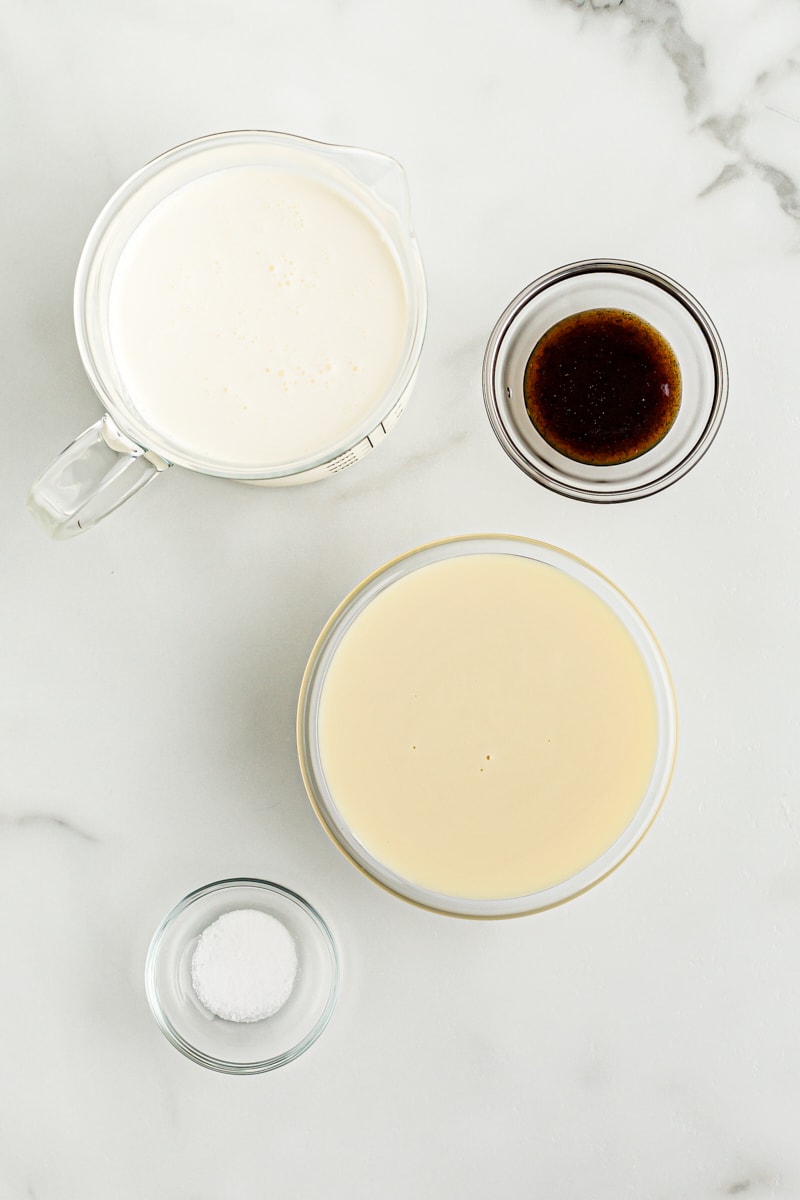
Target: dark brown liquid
602, 386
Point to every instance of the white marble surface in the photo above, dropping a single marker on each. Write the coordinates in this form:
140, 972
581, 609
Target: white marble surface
640, 1042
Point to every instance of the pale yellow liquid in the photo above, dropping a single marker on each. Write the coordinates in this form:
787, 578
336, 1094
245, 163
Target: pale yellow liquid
487, 727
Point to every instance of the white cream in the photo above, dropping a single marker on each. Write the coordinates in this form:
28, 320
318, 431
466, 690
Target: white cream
257, 317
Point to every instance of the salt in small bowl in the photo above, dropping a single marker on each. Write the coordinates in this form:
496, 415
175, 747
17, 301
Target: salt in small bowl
251, 1047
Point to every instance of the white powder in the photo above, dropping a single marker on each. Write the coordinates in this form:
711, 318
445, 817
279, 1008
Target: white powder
244, 966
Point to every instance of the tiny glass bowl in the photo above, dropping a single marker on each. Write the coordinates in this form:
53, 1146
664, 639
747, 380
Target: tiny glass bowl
664, 304
247, 1047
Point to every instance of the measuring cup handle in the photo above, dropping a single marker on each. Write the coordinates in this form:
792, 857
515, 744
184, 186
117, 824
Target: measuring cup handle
93, 476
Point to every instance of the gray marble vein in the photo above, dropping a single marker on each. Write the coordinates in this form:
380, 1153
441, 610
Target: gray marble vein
757, 1183
664, 20
731, 132
48, 820
730, 173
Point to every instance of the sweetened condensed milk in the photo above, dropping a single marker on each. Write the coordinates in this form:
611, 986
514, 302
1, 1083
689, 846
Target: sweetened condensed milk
487, 726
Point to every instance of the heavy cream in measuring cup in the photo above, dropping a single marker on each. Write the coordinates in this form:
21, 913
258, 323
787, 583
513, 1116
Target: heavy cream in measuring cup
257, 316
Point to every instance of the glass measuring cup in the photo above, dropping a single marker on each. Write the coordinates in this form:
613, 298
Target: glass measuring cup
122, 452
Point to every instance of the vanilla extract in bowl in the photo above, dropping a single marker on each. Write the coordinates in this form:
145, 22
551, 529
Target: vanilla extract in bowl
602, 387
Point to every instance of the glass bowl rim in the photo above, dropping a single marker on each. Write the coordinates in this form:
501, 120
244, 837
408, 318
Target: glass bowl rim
172, 1035
494, 908
528, 462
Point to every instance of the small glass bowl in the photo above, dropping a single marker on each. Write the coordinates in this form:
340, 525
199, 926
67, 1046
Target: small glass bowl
241, 1048
607, 283
310, 755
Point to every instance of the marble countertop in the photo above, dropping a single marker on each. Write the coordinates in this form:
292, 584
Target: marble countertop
641, 1041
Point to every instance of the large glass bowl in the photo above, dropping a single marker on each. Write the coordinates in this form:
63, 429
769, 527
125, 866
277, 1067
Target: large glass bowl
313, 770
